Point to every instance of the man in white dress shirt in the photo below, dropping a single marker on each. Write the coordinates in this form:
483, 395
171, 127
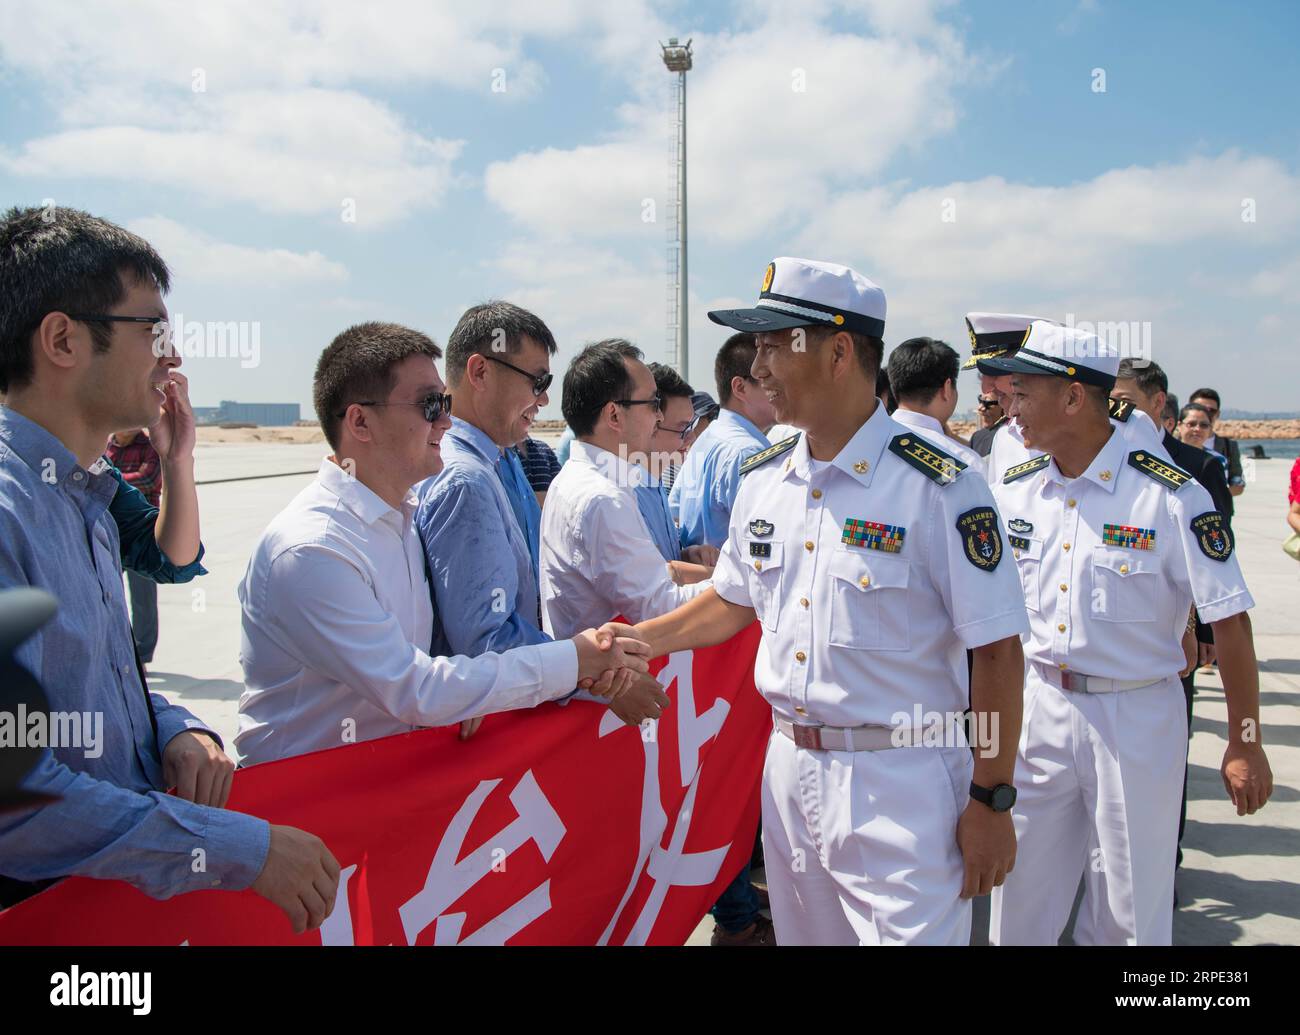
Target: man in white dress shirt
337, 614
1114, 545
923, 375
598, 556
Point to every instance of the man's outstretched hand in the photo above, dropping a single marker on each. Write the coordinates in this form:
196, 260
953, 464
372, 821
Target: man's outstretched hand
607, 660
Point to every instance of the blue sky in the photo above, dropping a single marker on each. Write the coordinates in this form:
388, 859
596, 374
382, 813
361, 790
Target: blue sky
1116, 206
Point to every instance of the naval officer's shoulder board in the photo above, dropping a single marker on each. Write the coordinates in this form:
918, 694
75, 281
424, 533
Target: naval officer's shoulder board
1022, 470
764, 455
1120, 410
927, 458
1156, 469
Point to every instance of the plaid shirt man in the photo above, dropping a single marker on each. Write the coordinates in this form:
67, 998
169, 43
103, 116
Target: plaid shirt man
140, 466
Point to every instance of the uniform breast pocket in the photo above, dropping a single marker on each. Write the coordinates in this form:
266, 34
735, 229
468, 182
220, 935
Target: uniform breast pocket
1126, 586
869, 601
765, 571
1028, 555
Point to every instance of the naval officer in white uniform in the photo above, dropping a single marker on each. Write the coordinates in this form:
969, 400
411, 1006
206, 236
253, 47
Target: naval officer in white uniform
873, 560
998, 335
1114, 545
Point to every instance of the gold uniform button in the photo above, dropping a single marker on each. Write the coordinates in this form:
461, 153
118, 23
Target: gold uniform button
865, 581
799, 710
758, 565
1123, 569
808, 545
1072, 502
1060, 628
1060, 664
1062, 587
800, 656
803, 601
1065, 546
1016, 554
816, 494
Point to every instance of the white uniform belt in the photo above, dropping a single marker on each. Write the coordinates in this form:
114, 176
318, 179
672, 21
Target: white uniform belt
1064, 679
850, 738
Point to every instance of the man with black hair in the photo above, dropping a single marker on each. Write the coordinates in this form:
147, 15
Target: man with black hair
872, 560
337, 607
672, 438
598, 556
83, 353
478, 517
705, 489
923, 376
1221, 444
1114, 544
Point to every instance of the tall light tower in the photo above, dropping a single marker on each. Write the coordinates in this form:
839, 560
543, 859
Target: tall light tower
677, 58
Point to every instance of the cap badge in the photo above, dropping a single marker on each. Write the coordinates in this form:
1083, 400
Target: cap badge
768, 274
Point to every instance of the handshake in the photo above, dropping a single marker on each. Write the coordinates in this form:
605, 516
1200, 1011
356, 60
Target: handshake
614, 663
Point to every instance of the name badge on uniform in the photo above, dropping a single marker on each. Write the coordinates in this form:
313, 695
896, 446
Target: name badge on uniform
1128, 536
760, 549
981, 538
872, 535
761, 528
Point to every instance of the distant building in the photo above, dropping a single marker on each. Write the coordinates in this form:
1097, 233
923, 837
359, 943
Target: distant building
268, 415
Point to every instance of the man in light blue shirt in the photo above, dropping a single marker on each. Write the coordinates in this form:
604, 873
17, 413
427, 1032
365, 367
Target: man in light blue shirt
705, 489
478, 519
80, 304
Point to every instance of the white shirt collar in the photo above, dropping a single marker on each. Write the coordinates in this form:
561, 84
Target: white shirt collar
861, 454
917, 420
358, 498
1105, 467
610, 465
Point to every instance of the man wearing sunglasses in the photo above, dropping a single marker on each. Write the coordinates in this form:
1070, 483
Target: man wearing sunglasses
1221, 444
337, 609
478, 518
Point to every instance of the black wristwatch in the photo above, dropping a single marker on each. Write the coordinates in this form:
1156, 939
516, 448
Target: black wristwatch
999, 798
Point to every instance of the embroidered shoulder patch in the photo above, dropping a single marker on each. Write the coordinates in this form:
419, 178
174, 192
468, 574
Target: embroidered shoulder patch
764, 455
980, 537
1120, 410
1212, 536
1156, 469
930, 460
1028, 467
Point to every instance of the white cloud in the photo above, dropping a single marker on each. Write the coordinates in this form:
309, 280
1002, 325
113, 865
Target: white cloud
1095, 233
779, 118
196, 258
299, 151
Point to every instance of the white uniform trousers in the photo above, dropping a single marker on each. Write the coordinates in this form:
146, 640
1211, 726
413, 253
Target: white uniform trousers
860, 847
1099, 779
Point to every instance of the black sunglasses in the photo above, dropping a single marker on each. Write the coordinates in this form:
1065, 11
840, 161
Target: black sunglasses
435, 405
987, 404
541, 382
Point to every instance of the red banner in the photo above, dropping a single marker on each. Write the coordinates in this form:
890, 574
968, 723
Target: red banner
554, 826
